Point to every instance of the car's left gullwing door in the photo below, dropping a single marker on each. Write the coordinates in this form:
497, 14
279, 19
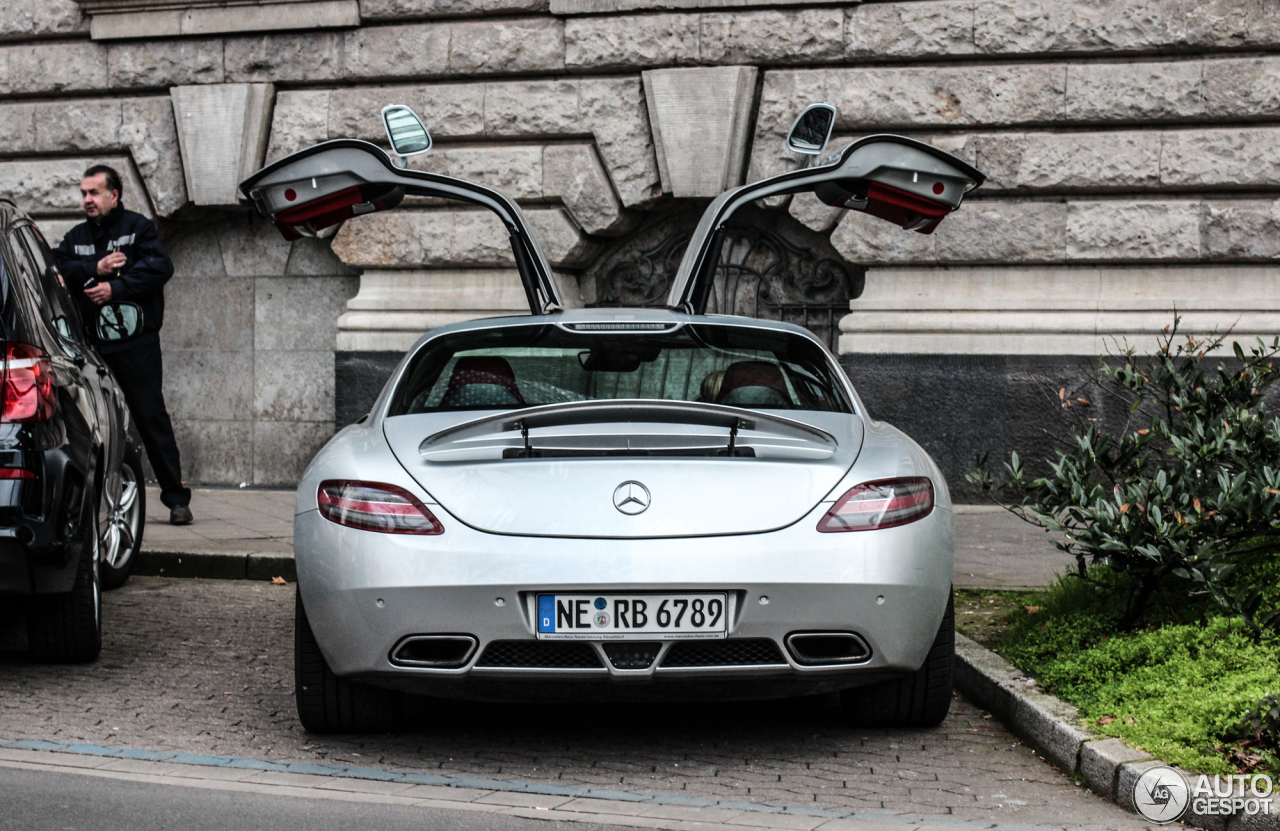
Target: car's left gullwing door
320, 186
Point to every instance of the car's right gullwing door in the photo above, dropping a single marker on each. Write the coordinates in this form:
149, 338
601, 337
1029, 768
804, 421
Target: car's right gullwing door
329, 183
900, 180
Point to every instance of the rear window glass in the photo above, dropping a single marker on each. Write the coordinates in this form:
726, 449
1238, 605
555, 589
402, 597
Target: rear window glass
525, 366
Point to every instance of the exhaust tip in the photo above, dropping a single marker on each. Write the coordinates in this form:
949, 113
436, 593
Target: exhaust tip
827, 648
434, 651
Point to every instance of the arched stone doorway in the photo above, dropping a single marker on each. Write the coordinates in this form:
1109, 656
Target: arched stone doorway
772, 267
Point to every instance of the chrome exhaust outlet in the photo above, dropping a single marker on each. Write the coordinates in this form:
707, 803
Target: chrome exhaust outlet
813, 649
434, 651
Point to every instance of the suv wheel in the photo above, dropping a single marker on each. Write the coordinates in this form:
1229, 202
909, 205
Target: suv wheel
121, 521
329, 704
921, 699
67, 628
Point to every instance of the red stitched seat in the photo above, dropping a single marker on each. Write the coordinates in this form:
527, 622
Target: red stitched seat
482, 381
754, 384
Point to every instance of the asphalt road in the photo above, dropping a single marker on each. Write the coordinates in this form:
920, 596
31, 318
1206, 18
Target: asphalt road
205, 667
48, 801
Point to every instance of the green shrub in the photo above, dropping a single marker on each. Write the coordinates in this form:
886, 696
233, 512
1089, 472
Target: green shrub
1184, 490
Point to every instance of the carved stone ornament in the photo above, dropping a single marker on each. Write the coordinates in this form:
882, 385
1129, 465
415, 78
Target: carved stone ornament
772, 267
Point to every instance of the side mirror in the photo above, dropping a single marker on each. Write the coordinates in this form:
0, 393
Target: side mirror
407, 133
118, 321
812, 130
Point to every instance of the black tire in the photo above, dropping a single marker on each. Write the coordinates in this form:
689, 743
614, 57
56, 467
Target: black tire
329, 704
115, 575
921, 699
67, 628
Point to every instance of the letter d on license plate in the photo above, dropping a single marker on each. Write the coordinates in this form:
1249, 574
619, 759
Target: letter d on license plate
640, 616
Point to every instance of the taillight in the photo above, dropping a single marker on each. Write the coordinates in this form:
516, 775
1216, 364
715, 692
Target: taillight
28, 384
16, 473
880, 504
373, 506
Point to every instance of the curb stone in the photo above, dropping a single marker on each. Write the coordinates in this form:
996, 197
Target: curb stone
1108, 766
222, 565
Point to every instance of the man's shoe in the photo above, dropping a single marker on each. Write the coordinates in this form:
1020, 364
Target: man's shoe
180, 515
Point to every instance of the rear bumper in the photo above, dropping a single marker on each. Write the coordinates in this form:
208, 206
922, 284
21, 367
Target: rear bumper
39, 553
364, 592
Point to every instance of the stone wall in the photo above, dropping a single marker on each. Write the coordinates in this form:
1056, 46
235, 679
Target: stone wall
1133, 150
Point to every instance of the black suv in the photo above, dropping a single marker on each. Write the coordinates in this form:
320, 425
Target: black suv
71, 483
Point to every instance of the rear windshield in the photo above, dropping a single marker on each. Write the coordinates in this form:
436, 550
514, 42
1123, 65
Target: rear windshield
524, 366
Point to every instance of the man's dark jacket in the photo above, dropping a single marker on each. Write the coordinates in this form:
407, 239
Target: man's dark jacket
140, 281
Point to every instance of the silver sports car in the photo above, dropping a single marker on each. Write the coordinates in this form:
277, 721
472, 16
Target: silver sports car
620, 503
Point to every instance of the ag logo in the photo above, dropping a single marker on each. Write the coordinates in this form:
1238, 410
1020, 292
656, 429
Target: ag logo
1161, 794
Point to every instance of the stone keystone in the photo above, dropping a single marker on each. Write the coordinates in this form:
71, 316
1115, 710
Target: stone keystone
222, 132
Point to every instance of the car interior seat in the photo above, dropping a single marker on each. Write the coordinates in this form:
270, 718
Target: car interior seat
754, 384
482, 382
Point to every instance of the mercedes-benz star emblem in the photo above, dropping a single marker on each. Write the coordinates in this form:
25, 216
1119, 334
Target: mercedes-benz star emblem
631, 498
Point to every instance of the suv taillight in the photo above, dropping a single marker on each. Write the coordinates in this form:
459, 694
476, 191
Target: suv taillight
373, 506
883, 503
28, 384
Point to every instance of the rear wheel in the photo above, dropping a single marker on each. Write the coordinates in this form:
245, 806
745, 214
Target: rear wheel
921, 699
123, 516
329, 704
67, 628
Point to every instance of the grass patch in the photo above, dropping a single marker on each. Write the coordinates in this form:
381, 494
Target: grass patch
1174, 687
985, 615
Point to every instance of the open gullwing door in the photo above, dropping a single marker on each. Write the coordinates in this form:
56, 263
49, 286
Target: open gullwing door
329, 183
899, 180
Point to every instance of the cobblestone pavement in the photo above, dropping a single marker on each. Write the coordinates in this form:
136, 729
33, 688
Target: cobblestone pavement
206, 667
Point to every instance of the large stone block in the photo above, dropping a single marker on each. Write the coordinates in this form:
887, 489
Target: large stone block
356, 112
1241, 88
425, 9
392, 51
910, 30
454, 110
868, 241
215, 452
148, 129
562, 241
293, 385
208, 313
209, 383
299, 312
283, 449
300, 119
72, 126
800, 36
222, 131
412, 239
573, 173
514, 170
1241, 230
1134, 91
533, 44
69, 66
252, 247
195, 250
1067, 161
631, 41
30, 19
1220, 158
700, 118
17, 128
309, 57
311, 257
51, 187
1000, 232
614, 108
1143, 231
470, 290
533, 108
165, 63
813, 213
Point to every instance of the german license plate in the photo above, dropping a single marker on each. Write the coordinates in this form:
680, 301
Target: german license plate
631, 616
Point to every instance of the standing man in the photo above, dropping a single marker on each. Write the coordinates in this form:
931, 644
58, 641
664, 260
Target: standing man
116, 256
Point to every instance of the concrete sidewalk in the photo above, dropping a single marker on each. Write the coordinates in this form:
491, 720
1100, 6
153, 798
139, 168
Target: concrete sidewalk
247, 533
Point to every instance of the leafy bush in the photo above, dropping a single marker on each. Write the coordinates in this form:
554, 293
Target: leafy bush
1187, 486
